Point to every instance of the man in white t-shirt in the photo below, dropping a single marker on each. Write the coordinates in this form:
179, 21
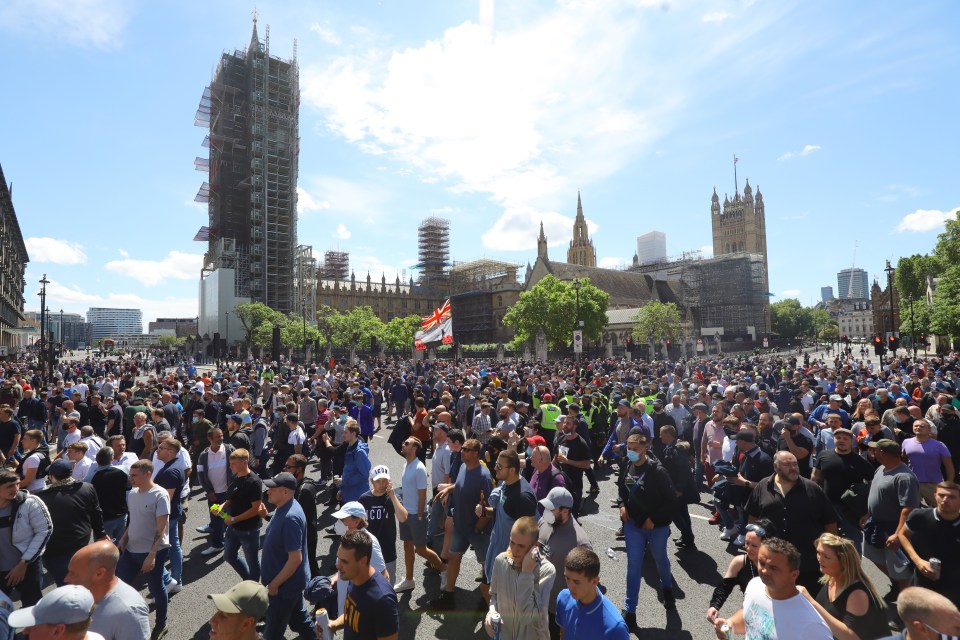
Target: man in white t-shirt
773, 607
145, 544
69, 434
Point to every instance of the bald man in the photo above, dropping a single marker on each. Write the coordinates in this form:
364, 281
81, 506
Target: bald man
121, 613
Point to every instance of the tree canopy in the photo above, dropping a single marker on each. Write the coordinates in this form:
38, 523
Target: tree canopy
398, 333
555, 306
791, 320
352, 328
258, 320
657, 321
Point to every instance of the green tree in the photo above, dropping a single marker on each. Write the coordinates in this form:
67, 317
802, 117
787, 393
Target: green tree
657, 321
253, 317
353, 328
910, 278
785, 318
552, 305
398, 333
294, 336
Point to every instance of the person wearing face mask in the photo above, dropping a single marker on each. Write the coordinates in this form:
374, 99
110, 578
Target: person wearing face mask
648, 504
353, 517
559, 533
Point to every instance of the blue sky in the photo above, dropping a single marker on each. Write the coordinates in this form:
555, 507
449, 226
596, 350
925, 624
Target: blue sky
493, 115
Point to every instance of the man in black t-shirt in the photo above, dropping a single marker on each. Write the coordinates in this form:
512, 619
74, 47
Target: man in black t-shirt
794, 441
573, 457
371, 611
171, 477
111, 484
244, 497
382, 507
935, 533
838, 470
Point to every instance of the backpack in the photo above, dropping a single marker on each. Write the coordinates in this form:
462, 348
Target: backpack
556, 471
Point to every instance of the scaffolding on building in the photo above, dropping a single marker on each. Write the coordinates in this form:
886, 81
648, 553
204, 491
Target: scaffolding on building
251, 111
335, 265
433, 251
481, 274
305, 283
726, 293
472, 301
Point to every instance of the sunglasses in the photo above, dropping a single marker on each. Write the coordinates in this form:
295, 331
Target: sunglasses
760, 531
470, 449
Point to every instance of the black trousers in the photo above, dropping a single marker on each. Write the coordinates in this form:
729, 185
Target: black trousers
30, 587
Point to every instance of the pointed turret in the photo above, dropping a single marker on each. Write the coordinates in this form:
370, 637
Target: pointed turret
542, 244
715, 203
254, 38
581, 251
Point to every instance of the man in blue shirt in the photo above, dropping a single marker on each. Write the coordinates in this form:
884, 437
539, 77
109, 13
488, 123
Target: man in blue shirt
582, 611
282, 567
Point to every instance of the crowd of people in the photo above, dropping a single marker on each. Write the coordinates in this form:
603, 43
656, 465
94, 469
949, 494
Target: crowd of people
810, 467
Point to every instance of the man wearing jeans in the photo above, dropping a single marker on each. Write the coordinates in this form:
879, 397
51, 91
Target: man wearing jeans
285, 573
244, 497
171, 478
144, 546
648, 502
213, 469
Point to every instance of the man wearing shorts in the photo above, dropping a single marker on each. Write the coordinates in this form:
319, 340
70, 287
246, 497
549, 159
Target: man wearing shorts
472, 487
413, 532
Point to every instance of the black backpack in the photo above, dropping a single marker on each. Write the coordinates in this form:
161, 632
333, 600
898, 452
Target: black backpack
556, 471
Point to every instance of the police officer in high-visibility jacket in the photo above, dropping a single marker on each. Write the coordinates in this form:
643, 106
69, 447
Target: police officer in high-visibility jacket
547, 416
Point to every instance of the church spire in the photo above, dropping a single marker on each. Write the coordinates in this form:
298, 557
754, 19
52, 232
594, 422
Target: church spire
542, 244
581, 251
254, 38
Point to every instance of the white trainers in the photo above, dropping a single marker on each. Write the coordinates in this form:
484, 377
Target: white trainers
209, 551
404, 585
443, 581
174, 587
729, 534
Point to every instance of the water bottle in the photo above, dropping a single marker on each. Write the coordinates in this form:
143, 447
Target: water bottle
901, 561
217, 510
323, 624
727, 631
611, 553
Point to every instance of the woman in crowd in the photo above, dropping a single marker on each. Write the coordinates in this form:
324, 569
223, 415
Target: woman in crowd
742, 568
847, 593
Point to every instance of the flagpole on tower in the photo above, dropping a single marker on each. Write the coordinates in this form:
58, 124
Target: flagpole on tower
736, 186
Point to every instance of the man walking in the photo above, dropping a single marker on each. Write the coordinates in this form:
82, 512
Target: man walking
244, 498
25, 529
371, 609
284, 570
215, 475
413, 531
144, 545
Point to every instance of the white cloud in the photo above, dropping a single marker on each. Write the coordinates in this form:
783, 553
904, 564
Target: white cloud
363, 263
706, 251
790, 293
73, 299
923, 220
55, 251
177, 265
806, 151
610, 263
519, 227
715, 17
96, 23
326, 34
306, 203
342, 232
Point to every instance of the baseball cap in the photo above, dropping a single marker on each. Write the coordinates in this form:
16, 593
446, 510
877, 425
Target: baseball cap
64, 605
60, 469
886, 445
247, 597
236, 417
558, 497
381, 471
536, 441
547, 397
949, 408
746, 435
843, 430
700, 407
836, 397
284, 480
560, 419
624, 403
354, 509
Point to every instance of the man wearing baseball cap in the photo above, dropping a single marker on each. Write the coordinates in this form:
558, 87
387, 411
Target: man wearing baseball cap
63, 613
238, 611
561, 533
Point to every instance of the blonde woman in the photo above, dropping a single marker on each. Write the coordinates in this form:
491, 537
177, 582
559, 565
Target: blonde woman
847, 593
520, 586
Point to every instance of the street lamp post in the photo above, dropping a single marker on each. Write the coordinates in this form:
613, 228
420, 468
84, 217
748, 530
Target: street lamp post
913, 330
62, 350
578, 323
303, 313
889, 269
227, 332
43, 327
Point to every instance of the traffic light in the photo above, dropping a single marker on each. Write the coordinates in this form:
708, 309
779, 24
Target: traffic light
894, 343
877, 346
668, 342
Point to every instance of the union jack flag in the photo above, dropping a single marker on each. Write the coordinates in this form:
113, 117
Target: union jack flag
437, 317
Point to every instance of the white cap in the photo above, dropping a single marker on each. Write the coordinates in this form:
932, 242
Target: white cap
382, 471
